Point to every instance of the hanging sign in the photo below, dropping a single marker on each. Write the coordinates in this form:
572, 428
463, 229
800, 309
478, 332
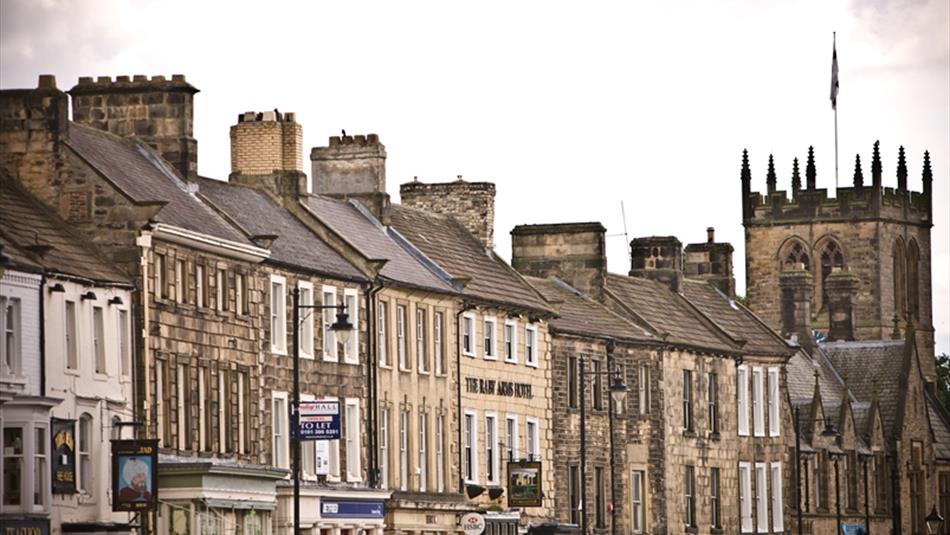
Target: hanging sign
64, 456
134, 475
319, 420
524, 484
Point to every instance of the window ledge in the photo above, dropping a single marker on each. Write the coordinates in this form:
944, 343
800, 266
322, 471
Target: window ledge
691, 529
715, 531
689, 433
715, 436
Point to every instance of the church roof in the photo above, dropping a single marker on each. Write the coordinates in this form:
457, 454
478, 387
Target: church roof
868, 367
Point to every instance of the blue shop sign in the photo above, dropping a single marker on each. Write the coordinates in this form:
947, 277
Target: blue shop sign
351, 508
319, 420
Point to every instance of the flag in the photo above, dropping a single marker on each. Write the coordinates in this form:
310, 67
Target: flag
834, 77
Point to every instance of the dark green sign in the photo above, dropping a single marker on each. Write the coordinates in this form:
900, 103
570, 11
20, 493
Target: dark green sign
64, 456
524, 484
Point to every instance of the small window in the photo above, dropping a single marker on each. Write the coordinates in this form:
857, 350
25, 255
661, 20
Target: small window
384, 447
305, 298
468, 335
712, 402
687, 400
438, 322
404, 450
511, 438
572, 382
10, 320
423, 451
422, 359
600, 498
531, 346
382, 343
574, 493
84, 450
281, 444
240, 294
778, 505
72, 342
773, 401
439, 454
278, 314
99, 340
637, 492
489, 327
180, 290
689, 495
745, 497
469, 461
201, 295
511, 341
125, 346
160, 290
643, 388
742, 398
329, 316
354, 471
597, 385
221, 288
758, 402
401, 349
761, 498
715, 499
491, 448
533, 438
351, 353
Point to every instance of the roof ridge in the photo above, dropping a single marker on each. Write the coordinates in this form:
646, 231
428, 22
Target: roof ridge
606, 309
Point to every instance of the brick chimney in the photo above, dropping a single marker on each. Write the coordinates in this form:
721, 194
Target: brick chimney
711, 262
352, 167
267, 153
155, 110
659, 258
572, 252
33, 125
471, 203
796, 287
842, 287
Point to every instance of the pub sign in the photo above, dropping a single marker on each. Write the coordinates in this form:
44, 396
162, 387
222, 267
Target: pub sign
64, 456
134, 475
524, 484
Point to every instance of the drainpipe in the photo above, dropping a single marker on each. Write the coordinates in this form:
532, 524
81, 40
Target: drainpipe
144, 241
369, 293
458, 389
42, 335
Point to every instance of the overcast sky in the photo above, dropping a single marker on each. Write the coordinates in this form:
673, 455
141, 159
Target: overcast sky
570, 108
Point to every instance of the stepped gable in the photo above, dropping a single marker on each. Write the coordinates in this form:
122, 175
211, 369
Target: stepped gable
144, 177
366, 234
450, 245
580, 315
869, 366
34, 237
258, 215
734, 319
666, 312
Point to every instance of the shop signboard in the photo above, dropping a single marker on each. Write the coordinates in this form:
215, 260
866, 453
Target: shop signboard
134, 475
524, 484
64, 456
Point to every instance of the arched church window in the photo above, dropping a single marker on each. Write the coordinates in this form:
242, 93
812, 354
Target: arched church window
796, 254
832, 258
913, 279
900, 278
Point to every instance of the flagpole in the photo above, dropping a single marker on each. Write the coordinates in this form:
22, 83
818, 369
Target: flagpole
833, 47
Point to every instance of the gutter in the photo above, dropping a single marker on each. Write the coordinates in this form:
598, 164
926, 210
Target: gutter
210, 244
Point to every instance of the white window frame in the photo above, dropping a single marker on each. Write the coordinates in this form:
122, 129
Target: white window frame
183, 423
382, 329
468, 335
531, 335
180, 268
491, 441
511, 436
532, 438
200, 297
440, 453
328, 316
742, 399
71, 333
351, 351
510, 341
762, 497
224, 398
239, 294
637, 499
402, 349
745, 497
220, 293
354, 469
125, 342
490, 338
470, 441
202, 400
100, 361
773, 401
758, 401
308, 450
333, 452
423, 438
278, 317
305, 290
84, 456
280, 432
243, 419
438, 338
384, 447
643, 388
422, 353
778, 505
404, 449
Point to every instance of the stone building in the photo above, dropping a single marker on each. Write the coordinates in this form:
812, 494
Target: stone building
67, 358
848, 279
681, 455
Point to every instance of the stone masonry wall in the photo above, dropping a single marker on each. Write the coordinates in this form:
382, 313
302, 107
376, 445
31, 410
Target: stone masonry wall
471, 203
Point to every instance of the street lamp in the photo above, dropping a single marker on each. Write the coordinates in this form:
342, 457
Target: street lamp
829, 431
934, 521
341, 327
618, 394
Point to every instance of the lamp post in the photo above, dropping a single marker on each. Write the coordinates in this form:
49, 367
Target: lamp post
618, 394
341, 326
835, 456
829, 431
934, 521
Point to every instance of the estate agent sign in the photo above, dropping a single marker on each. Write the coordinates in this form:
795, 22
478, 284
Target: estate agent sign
134, 475
319, 420
524, 484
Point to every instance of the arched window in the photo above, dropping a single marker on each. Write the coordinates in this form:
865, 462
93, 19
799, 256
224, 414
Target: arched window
85, 454
832, 258
794, 253
900, 279
913, 279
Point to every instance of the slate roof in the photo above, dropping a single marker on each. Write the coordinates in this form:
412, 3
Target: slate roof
871, 366
258, 214
800, 377
144, 177
450, 245
579, 314
941, 429
374, 241
734, 319
25, 222
666, 312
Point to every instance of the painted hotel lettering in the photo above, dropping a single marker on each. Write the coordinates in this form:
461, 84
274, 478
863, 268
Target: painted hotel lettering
499, 388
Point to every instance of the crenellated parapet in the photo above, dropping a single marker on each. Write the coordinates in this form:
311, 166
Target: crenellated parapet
859, 201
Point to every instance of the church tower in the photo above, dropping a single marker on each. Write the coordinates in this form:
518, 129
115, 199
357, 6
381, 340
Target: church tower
867, 251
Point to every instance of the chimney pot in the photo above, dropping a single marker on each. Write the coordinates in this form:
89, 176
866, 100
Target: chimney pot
46, 81
710, 235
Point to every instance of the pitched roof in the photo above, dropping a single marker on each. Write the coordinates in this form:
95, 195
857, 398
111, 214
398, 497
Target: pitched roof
454, 249
941, 429
666, 312
258, 214
734, 319
870, 366
579, 314
144, 177
800, 378
25, 222
374, 241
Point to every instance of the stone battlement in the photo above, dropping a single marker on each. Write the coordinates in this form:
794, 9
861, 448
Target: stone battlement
267, 117
359, 140
138, 82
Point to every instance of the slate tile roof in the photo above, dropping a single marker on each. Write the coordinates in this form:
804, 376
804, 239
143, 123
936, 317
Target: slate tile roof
139, 173
800, 378
258, 214
580, 315
450, 245
666, 312
734, 319
25, 222
374, 241
870, 366
941, 429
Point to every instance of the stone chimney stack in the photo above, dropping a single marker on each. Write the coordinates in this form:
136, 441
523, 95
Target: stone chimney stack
796, 288
572, 252
842, 287
352, 167
267, 152
471, 203
158, 111
659, 258
711, 262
